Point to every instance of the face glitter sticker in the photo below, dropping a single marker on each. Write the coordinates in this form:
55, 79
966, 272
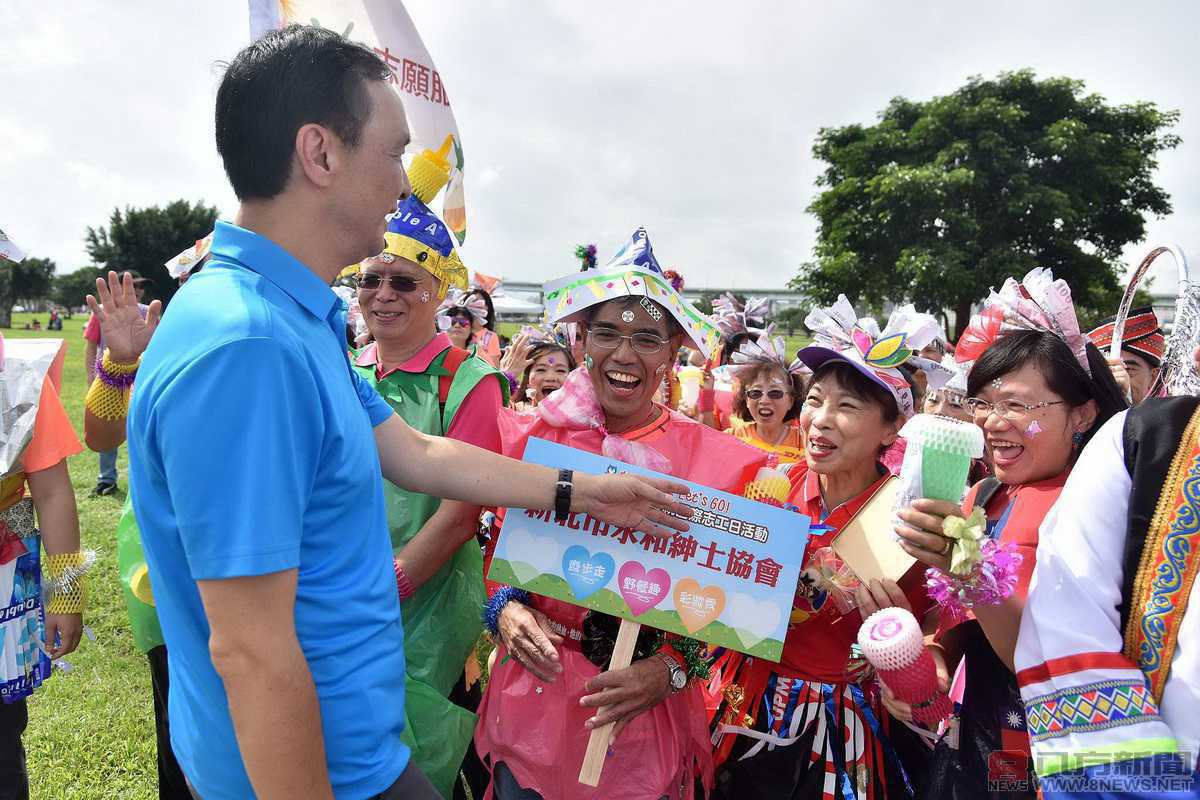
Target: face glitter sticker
1034, 429
627, 316
387, 258
997, 383
425, 296
651, 309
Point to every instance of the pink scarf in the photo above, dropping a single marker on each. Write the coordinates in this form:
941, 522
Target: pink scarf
575, 407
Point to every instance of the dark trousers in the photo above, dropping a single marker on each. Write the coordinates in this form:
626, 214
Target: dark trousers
411, 785
171, 783
14, 779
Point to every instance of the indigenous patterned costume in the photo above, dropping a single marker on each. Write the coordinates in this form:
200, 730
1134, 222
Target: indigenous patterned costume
1109, 666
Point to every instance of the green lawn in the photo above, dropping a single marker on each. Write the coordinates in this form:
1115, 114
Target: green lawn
91, 731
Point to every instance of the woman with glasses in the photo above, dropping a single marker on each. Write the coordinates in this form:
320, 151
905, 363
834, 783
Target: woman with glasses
1038, 390
546, 691
767, 399
440, 389
809, 726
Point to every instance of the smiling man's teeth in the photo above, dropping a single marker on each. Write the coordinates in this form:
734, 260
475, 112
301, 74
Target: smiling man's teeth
623, 377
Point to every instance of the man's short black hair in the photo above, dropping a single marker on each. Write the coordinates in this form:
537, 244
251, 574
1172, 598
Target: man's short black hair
285, 80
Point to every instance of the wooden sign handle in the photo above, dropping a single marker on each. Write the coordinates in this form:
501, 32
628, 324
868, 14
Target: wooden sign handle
597, 749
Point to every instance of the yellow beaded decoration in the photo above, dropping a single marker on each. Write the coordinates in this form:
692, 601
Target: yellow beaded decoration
767, 489
67, 574
110, 402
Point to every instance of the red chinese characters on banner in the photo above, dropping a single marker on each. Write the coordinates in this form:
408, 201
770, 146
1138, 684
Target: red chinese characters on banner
678, 547
413, 78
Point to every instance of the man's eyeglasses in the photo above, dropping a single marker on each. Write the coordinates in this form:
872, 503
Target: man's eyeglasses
756, 394
645, 343
369, 281
1005, 409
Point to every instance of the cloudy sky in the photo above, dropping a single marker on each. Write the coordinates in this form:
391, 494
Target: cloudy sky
580, 121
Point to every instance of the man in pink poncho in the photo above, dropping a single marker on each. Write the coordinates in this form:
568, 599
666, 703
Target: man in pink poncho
547, 687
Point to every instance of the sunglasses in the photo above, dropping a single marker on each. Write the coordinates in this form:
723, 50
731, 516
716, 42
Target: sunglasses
774, 394
369, 281
460, 322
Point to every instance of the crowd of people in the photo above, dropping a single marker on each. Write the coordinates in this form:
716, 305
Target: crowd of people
321, 455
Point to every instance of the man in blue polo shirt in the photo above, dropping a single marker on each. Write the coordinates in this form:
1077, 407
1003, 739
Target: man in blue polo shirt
257, 455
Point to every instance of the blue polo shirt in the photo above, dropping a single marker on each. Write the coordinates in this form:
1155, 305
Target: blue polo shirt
252, 452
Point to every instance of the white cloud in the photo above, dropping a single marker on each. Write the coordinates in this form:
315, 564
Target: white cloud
580, 121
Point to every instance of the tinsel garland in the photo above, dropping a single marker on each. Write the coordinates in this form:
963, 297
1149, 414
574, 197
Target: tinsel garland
496, 604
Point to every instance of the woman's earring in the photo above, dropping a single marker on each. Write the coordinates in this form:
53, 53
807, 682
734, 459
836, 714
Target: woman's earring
1077, 438
587, 361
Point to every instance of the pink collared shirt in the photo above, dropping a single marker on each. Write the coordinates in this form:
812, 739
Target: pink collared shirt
475, 423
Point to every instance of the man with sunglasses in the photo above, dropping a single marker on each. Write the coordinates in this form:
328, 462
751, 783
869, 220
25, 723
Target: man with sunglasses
257, 455
441, 390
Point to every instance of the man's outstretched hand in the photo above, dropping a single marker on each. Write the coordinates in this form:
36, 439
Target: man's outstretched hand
125, 333
632, 502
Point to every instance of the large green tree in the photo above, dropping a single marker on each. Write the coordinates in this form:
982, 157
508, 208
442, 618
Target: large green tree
143, 239
71, 288
25, 282
942, 199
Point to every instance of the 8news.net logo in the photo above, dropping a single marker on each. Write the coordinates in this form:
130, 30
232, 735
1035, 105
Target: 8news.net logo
1008, 771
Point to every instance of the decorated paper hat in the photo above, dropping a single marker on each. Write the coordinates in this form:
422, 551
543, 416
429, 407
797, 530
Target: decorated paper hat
632, 272
1037, 303
733, 316
414, 232
839, 335
767, 349
1142, 335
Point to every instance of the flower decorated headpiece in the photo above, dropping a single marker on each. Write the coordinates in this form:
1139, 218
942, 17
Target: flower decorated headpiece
768, 349
839, 335
415, 233
473, 304
1038, 303
190, 258
734, 317
632, 272
586, 253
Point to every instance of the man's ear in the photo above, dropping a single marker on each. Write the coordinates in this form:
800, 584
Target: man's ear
317, 154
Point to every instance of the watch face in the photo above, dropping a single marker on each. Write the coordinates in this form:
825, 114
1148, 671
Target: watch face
678, 678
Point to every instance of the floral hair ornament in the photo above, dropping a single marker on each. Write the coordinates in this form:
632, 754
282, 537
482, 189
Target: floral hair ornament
1037, 303
586, 253
839, 335
768, 349
458, 300
733, 316
632, 272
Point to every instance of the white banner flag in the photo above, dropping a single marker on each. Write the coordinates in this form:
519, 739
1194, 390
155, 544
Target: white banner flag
385, 27
9, 249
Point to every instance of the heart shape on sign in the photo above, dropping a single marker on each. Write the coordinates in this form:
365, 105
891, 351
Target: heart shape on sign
586, 574
697, 607
642, 589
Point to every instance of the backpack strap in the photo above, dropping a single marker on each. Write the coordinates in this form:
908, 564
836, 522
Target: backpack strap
454, 359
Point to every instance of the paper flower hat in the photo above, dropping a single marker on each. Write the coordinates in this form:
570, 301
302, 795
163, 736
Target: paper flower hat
839, 335
632, 272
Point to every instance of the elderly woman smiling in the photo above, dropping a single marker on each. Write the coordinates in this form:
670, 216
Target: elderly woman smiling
548, 687
812, 718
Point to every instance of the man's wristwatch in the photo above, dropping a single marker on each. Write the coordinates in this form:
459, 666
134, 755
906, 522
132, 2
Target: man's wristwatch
562, 494
678, 675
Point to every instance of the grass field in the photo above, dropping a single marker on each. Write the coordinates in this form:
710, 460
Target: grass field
91, 730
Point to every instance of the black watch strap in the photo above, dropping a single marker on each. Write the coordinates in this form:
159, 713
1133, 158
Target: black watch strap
562, 494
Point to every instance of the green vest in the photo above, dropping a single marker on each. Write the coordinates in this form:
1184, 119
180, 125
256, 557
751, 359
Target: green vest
143, 619
442, 619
